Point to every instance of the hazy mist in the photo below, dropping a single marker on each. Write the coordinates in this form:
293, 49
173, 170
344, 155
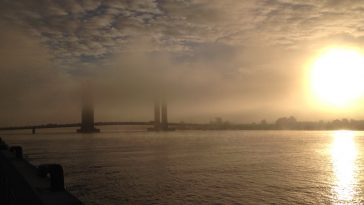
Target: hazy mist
241, 60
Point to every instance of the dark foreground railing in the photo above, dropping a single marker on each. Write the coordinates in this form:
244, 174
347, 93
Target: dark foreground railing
22, 183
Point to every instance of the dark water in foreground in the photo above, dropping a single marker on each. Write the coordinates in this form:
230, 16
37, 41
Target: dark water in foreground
206, 167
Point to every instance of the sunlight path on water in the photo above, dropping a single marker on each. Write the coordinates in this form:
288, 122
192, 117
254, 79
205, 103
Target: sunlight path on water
344, 155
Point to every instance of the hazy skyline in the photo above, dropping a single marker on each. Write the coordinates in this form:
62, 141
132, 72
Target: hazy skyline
240, 60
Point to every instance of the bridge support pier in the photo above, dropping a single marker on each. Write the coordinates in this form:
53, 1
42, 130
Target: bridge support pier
33, 130
160, 117
157, 122
164, 116
87, 117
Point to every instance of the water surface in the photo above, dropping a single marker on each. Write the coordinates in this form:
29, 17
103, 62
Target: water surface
205, 167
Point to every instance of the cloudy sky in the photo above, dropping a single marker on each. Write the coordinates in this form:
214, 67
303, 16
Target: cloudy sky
241, 60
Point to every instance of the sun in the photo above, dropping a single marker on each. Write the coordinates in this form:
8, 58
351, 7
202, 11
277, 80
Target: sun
337, 77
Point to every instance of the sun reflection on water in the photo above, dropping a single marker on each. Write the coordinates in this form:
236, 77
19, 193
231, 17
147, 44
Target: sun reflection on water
344, 154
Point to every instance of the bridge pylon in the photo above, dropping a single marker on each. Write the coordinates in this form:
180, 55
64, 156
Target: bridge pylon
87, 117
160, 116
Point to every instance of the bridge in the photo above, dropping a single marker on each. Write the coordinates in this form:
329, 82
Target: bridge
33, 128
88, 124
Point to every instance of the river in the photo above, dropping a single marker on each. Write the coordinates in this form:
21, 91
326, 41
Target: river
204, 167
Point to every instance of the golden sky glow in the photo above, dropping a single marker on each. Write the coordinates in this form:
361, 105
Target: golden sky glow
241, 60
336, 77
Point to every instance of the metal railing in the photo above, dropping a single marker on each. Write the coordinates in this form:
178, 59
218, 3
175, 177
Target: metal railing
23, 183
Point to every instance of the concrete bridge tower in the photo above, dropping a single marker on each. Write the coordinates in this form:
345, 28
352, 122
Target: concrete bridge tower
87, 116
164, 116
160, 117
157, 123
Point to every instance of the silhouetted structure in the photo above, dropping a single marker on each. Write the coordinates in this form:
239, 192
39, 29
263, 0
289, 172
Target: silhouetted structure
286, 123
164, 116
24, 183
157, 123
160, 117
87, 116
350, 124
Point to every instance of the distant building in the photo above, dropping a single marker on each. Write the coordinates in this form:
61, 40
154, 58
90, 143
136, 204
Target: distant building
286, 123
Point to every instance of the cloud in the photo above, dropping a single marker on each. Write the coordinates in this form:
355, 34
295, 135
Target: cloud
74, 25
246, 54
31, 88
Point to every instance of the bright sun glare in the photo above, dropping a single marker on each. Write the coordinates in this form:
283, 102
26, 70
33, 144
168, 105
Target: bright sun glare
337, 77
344, 156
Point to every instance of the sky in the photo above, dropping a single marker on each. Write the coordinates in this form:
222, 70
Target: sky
243, 61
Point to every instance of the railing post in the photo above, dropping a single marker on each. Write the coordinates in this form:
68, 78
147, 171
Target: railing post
55, 172
3, 145
18, 150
